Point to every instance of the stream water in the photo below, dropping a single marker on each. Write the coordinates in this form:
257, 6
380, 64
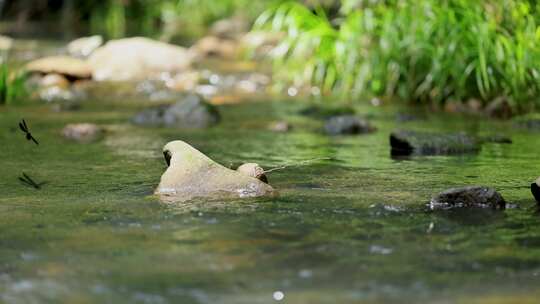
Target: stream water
350, 228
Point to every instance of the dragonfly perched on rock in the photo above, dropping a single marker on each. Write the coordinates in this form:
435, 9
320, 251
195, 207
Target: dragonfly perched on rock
24, 128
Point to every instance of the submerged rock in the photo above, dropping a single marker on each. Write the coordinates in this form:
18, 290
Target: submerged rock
496, 139
82, 132
137, 58
64, 65
419, 143
406, 117
535, 189
347, 124
253, 170
317, 111
530, 122
280, 126
466, 197
84, 46
192, 112
191, 174
56, 94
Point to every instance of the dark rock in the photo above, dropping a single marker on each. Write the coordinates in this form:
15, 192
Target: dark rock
405, 117
535, 189
190, 113
347, 124
317, 111
468, 197
151, 117
531, 122
419, 143
497, 139
499, 108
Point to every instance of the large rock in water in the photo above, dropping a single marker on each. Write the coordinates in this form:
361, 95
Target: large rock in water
192, 112
64, 65
535, 189
192, 174
419, 143
137, 58
472, 196
347, 124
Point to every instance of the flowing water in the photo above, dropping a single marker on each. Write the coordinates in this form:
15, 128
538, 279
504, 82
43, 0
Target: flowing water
349, 227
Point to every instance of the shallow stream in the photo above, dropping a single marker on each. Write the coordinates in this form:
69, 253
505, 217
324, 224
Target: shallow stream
350, 227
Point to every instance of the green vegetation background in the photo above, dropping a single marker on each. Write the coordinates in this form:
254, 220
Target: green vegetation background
422, 51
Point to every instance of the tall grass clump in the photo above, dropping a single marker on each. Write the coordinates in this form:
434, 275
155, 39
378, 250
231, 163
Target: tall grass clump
12, 85
423, 51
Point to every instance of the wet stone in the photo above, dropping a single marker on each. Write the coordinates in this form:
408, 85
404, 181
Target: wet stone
468, 197
82, 132
137, 58
497, 139
69, 67
191, 174
530, 122
317, 111
192, 112
347, 124
418, 143
280, 126
253, 170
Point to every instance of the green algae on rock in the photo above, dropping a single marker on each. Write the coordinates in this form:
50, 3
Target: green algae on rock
191, 174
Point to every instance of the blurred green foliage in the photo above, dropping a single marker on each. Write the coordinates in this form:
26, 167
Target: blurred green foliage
12, 85
167, 18
423, 50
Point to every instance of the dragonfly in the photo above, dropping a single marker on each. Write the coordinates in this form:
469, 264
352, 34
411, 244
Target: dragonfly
27, 180
24, 128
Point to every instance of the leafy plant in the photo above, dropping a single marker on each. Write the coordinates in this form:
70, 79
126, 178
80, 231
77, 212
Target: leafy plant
12, 85
424, 50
